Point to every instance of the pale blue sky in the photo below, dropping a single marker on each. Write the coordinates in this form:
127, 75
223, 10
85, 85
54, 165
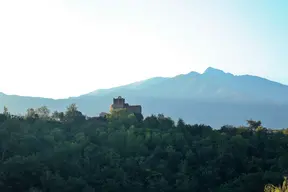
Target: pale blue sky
62, 48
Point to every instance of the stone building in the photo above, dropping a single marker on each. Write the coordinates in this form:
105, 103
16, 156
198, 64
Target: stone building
119, 103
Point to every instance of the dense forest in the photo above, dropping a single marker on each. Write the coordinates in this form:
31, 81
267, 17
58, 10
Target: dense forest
68, 151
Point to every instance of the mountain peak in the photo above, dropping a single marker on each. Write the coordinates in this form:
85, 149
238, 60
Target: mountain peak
211, 70
193, 73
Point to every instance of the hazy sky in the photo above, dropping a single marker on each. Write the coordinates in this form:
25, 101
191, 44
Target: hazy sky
61, 48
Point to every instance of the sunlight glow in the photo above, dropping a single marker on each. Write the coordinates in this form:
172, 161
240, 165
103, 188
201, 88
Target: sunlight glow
85, 45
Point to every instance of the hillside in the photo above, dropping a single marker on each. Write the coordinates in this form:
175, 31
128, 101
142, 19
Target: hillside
121, 152
213, 98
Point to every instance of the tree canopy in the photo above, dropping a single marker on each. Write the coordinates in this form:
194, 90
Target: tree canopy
67, 151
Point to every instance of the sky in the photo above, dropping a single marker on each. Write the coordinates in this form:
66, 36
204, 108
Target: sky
63, 48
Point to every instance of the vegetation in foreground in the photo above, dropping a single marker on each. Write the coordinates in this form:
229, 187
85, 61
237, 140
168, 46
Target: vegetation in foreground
67, 151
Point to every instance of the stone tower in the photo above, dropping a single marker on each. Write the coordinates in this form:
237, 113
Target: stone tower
119, 103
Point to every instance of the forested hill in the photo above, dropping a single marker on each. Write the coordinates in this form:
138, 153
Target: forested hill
214, 98
211, 113
67, 152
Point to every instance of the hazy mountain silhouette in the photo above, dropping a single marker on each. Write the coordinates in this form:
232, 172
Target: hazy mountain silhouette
213, 84
214, 97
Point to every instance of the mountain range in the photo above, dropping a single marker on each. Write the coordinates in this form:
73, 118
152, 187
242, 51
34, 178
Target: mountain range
214, 97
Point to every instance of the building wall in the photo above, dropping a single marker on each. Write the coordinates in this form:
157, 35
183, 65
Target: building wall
134, 108
117, 106
119, 103
113, 107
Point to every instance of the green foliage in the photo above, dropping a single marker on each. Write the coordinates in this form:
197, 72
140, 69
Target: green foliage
254, 124
5, 111
67, 151
72, 114
43, 112
272, 188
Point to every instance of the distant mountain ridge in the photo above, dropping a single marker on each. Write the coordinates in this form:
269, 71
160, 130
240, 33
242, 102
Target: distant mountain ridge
213, 84
213, 97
